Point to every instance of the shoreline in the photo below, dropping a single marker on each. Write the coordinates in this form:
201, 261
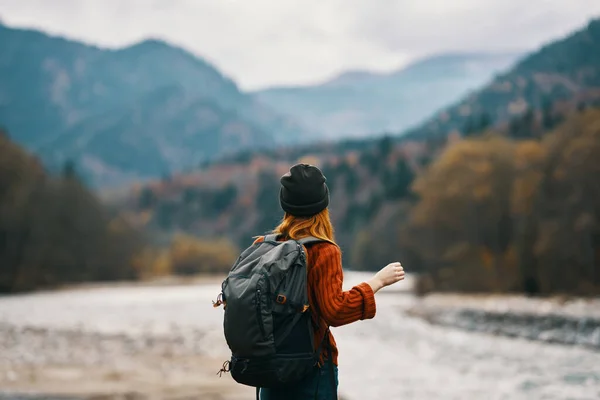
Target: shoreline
41, 363
163, 281
572, 321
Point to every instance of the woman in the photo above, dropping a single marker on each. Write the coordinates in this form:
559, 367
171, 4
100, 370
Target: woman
304, 197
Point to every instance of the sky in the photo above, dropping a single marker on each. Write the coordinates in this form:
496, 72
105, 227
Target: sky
262, 43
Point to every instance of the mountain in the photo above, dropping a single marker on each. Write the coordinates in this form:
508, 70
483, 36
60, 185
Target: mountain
563, 73
358, 103
67, 100
170, 131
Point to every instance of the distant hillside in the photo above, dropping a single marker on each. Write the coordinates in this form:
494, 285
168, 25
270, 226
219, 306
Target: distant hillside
67, 100
238, 199
358, 103
564, 73
481, 206
171, 131
473, 209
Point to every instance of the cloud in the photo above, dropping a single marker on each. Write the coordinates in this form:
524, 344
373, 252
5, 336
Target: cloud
266, 42
438, 25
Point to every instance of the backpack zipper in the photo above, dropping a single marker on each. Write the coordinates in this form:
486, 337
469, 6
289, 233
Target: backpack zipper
261, 324
301, 254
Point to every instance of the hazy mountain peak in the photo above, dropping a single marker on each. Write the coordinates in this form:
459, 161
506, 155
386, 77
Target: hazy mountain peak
461, 62
151, 42
154, 44
359, 103
350, 77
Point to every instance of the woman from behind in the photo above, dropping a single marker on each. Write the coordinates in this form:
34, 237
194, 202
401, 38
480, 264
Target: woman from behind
304, 198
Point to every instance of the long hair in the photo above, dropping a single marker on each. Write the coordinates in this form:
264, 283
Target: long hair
318, 226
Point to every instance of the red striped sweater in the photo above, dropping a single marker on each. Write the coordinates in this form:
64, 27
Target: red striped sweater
334, 306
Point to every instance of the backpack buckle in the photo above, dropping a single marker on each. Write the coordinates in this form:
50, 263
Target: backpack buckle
219, 301
281, 299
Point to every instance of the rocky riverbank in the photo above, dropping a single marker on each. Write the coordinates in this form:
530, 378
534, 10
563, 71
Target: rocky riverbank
92, 366
552, 320
165, 342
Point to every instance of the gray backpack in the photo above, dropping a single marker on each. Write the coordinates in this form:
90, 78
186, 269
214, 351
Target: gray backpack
267, 321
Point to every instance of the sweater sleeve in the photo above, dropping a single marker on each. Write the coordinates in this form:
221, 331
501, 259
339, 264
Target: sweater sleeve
338, 307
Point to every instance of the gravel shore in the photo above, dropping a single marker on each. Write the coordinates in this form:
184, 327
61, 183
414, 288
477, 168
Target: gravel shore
78, 365
165, 342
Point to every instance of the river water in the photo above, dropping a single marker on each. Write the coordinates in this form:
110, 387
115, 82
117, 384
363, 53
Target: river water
393, 356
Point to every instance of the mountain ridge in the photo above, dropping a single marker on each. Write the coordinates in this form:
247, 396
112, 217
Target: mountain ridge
564, 70
69, 84
362, 103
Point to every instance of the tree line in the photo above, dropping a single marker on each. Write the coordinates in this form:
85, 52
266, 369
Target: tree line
55, 231
510, 208
511, 215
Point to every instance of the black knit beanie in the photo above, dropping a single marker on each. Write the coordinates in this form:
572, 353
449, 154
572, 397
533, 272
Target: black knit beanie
303, 191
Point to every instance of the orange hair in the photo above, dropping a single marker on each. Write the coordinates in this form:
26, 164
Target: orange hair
318, 226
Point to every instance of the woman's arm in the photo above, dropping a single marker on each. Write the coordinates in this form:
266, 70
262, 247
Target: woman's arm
338, 307
376, 284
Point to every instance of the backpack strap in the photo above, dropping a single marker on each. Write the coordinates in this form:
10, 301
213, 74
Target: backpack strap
272, 238
309, 239
332, 379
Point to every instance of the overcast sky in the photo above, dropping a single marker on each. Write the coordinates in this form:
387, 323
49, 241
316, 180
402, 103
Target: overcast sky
267, 42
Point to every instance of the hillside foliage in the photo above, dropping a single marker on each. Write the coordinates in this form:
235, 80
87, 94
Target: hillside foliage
55, 231
504, 215
564, 73
186, 255
488, 211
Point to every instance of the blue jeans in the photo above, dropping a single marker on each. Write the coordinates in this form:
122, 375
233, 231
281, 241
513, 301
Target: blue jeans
307, 388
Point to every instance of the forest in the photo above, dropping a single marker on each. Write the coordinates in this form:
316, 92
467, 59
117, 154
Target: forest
55, 231
510, 208
501, 214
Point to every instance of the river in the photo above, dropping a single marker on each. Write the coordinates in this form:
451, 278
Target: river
393, 356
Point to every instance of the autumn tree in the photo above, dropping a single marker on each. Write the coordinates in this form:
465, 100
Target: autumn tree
561, 245
190, 255
464, 214
53, 230
502, 215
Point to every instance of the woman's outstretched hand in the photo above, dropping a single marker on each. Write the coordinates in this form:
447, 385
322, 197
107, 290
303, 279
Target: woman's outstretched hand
388, 275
